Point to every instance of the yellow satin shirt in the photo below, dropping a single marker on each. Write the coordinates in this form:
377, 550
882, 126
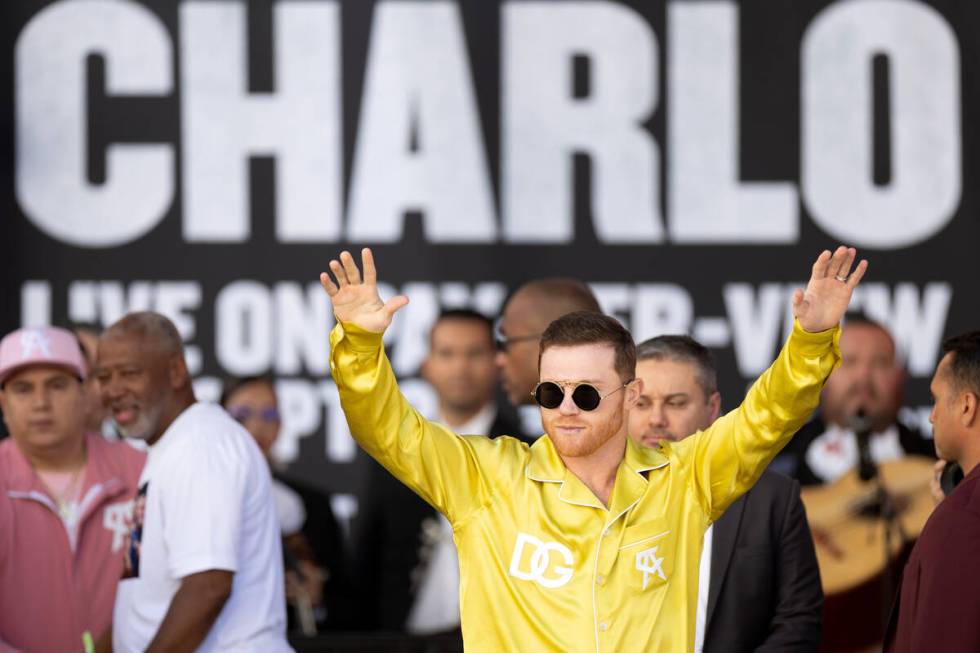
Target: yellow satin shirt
544, 565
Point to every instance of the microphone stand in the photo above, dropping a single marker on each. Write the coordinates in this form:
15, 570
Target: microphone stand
880, 504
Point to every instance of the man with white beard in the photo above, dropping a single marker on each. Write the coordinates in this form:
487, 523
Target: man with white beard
204, 561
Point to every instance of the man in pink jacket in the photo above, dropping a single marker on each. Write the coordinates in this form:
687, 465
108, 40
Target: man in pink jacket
65, 497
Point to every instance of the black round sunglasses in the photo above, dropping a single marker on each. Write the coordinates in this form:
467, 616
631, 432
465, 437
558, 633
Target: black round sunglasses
550, 394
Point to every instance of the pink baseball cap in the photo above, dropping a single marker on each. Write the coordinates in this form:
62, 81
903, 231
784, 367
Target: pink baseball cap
41, 346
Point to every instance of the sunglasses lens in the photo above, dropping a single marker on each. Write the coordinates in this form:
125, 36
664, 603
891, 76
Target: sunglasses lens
240, 413
549, 395
586, 397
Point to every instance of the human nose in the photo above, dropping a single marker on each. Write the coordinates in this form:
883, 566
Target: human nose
500, 358
657, 415
568, 406
460, 364
862, 374
110, 388
41, 399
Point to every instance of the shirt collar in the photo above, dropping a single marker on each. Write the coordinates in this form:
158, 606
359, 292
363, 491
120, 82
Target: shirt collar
155, 450
642, 459
631, 483
21, 476
23, 479
546, 466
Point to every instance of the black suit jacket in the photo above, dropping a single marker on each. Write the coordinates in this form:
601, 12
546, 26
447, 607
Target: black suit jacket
764, 593
322, 532
388, 542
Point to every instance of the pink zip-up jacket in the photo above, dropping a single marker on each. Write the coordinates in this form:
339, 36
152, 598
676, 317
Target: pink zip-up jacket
51, 589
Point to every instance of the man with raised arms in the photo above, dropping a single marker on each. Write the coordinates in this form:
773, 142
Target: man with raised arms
583, 541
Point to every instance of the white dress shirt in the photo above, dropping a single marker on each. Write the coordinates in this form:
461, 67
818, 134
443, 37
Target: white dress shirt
835, 451
704, 584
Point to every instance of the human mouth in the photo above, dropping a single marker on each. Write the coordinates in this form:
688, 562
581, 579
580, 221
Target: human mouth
124, 415
654, 439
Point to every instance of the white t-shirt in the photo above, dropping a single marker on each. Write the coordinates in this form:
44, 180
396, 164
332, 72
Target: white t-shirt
205, 502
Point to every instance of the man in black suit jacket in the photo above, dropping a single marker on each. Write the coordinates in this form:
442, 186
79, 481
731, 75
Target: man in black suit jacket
403, 549
759, 582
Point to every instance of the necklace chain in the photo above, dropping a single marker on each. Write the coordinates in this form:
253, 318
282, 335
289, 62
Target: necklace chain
62, 499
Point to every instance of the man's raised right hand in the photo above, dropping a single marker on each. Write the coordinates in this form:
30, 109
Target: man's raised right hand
356, 300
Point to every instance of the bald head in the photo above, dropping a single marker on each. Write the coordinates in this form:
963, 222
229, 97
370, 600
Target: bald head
527, 314
870, 378
542, 301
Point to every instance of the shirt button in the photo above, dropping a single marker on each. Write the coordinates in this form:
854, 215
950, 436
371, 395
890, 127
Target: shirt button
600, 579
603, 626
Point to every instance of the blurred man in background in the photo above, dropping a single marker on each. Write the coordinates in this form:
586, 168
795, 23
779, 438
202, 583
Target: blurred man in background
526, 315
759, 586
95, 413
836, 457
864, 395
317, 580
407, 562
65, 496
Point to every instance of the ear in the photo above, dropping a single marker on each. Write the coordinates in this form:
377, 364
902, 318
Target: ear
180, 377
424, 368
968, 409
714, 405
633, 392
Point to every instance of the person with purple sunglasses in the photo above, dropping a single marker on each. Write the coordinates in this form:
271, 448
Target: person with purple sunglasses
317, 586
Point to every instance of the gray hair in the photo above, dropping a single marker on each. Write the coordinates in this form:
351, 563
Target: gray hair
682, 349
155, 329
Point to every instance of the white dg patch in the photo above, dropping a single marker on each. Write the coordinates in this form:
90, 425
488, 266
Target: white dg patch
539, 566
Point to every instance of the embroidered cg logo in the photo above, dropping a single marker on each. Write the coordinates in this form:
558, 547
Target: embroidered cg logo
540, 562
648, 562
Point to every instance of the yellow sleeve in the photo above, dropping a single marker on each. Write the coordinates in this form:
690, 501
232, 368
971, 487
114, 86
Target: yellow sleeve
455, 474
726, 459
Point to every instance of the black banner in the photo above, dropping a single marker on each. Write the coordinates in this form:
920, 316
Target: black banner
689, 159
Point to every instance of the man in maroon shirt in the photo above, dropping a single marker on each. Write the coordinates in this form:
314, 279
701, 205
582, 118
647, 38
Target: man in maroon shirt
939, 600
